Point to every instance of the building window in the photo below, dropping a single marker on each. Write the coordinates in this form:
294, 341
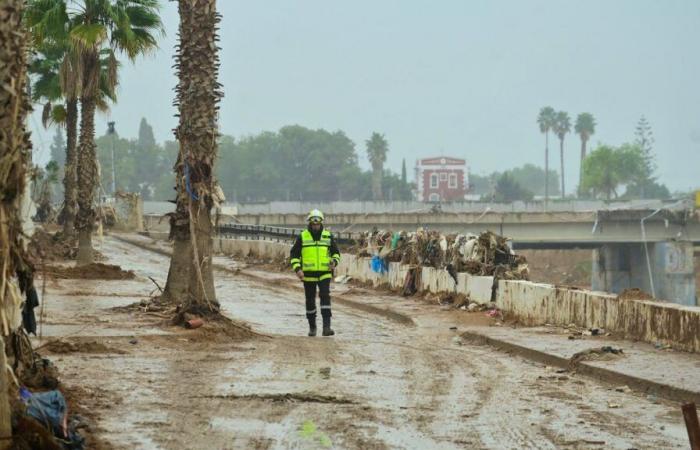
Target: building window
443, 177
434, 197
453, 181
433, 180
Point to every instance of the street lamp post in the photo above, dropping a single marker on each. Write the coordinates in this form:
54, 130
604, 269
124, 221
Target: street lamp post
112, 132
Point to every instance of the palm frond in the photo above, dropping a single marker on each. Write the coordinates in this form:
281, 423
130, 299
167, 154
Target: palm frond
88, 36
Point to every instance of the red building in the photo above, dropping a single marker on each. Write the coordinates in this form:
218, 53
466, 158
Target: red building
441, 179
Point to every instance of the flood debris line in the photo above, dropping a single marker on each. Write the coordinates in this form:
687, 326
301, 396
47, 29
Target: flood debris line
487, 254
287, 397
63, 347
600, 353
635, 294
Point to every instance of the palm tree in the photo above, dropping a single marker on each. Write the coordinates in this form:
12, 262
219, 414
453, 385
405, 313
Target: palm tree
377, 148
190, 279
546, 121
562, 126
585, 128
59, 80
14, 153
101, 28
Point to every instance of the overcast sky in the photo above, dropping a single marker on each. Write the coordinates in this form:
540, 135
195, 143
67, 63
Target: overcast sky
462, 78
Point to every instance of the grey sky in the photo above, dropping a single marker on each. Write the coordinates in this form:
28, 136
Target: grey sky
463, 78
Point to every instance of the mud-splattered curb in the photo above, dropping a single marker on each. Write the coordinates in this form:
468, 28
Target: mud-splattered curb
339, 299
605, 375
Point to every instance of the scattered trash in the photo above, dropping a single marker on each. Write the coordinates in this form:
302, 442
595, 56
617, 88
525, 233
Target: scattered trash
457, 340
343, 279
653, 398
593, 353
494, 313
194, 323
473, 307
613, 405
378, 265
661, 346
453, 328
624, 389
133, 341
50, 409
325, 372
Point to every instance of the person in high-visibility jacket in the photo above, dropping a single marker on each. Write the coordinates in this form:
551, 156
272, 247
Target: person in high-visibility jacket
314, 255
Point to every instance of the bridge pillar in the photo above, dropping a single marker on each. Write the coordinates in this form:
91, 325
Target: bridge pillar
617, 267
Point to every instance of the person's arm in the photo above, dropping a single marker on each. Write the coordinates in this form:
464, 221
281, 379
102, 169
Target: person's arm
295, 258
335, 253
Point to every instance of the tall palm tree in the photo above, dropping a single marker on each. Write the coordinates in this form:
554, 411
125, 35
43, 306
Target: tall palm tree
57, 85
546, 121
585, 128
103, 27
377, 148
562, 126
15, 149
190, 279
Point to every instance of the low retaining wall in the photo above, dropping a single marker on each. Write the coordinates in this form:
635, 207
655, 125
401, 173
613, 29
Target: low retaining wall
530, 303
650, 321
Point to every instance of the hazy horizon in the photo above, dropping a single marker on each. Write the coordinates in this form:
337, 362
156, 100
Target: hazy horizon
464, 79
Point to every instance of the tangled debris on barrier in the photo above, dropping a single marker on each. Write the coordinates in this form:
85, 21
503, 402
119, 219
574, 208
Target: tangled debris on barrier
485, 254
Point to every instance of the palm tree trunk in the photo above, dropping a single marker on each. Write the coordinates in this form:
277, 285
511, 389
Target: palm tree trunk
15, 150
70, 175
87, 180
580, 168
377, 172
546, 169
561, 155
198, 96
176, 287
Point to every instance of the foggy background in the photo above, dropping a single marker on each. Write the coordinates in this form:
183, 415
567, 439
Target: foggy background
465, 79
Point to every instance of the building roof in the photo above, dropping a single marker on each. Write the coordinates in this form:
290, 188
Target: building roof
441, 160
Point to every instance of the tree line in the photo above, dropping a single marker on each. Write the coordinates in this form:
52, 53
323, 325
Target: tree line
293, 163
606, 168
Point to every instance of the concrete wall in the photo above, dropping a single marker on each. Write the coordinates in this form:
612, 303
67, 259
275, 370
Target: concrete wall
530, 303
537, 304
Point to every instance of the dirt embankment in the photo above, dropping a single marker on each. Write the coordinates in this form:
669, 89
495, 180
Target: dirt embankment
560, 267
94, 271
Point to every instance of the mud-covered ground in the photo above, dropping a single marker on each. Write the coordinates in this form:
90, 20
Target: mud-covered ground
384, 381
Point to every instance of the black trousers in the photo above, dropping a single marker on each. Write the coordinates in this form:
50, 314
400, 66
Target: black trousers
324, 292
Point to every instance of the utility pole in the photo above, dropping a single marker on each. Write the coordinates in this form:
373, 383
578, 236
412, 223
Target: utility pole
113, 133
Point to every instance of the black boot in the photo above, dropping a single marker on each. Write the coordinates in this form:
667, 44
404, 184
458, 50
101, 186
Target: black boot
312, 326
327, 331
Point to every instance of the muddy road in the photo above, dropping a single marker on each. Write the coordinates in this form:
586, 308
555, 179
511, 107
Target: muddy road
384, 381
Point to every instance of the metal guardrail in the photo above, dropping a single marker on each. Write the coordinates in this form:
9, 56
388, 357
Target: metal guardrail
257, 232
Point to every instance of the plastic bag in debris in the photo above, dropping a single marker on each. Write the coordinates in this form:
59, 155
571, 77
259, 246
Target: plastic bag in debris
50, 409
395, 240
378, 265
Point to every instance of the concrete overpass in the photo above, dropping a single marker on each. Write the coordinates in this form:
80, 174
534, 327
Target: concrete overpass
648, 249
526, 229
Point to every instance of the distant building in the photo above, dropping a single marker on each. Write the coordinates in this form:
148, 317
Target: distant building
441, 179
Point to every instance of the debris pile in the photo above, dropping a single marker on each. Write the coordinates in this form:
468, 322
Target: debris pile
94, 271
634, 294
486, 254
47, 247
